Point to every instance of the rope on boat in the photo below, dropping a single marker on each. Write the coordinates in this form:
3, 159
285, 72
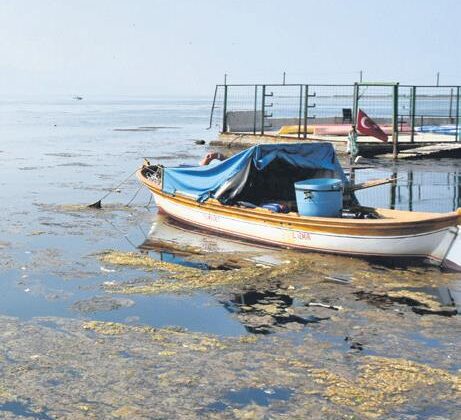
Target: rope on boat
97, 204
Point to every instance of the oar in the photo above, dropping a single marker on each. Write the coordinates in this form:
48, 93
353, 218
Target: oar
372, 183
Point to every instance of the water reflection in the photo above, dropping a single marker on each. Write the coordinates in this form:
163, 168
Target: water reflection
447, 296
261, 311
246, 396
189, 240
417, 188
19, 409
172, 258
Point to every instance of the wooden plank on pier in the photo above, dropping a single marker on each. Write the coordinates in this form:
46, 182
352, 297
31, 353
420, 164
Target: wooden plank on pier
372, 183
430, 151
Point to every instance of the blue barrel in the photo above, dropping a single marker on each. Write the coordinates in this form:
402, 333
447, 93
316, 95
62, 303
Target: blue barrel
321, 197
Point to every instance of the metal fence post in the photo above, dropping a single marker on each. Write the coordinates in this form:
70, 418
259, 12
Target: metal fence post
255, 109
224, 116
395, 122
263, 108
300, 109
457, 114
413, 113
410, 190
355, 104
306, 103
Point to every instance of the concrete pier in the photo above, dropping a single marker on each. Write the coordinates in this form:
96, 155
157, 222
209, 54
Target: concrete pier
368, 146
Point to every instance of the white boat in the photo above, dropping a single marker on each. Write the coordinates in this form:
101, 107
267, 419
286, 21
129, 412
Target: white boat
209, 197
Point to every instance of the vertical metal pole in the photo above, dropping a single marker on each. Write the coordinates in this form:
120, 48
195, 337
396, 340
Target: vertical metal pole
456, 191
352, 170
410, 190
300, 109
306, 108
284, 75
450, 109
255, 109
213, 106
355, 110
224, 116
393, 189
355, 104
457, 115
395, 125
413, 113
263, 107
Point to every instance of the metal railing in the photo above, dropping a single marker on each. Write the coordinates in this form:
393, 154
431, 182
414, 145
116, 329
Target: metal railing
405, 110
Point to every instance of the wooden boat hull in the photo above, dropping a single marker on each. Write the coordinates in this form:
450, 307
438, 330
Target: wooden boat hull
424, 235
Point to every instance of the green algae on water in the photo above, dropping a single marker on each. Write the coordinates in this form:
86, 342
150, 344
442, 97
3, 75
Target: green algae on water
176, 277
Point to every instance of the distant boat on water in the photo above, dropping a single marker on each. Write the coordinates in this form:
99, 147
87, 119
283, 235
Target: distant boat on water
78, 98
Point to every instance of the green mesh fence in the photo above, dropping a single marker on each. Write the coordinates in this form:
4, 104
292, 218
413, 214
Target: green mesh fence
417, 110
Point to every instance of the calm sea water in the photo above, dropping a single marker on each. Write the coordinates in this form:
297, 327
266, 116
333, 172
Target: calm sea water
58, 152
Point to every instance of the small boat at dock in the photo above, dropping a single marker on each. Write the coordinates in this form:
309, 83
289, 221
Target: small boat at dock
258, 195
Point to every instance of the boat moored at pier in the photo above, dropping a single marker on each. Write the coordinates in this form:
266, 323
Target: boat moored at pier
252, 196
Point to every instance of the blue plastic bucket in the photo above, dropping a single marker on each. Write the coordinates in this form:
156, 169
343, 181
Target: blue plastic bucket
321, 197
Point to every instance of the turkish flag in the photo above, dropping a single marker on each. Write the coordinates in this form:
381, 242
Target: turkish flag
368, 127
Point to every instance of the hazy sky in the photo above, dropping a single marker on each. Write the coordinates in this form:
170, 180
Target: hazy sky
184, 47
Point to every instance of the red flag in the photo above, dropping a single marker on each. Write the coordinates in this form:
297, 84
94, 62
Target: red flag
368, 127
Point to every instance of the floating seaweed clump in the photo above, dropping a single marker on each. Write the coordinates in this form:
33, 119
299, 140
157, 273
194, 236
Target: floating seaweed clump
181, 277
106, 328
420, 303
133, 259
171, 246
4, 393
383, 383
175, 339
127, 412
101, 303
424, 299
71, 208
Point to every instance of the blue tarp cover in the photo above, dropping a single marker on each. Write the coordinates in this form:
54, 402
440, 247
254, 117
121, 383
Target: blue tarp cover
202, 182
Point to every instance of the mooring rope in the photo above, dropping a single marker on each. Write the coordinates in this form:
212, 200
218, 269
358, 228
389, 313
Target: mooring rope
134, 196
97, 204
150, 200
120, 231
